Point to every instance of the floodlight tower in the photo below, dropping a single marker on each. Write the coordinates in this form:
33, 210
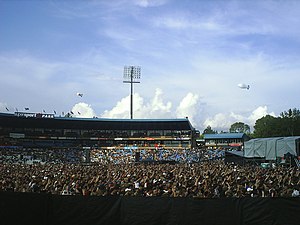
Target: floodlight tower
132, 74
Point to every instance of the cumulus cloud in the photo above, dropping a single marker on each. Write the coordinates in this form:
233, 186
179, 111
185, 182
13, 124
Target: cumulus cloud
83, 110
156, 108
121, 110
258, 113
188, 107
223, 121
219, 121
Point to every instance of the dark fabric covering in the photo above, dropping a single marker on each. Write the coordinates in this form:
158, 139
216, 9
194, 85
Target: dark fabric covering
43, 209
24, 208
85, 210
230, 157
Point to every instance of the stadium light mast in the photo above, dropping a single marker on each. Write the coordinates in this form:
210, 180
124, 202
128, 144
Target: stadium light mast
132, 75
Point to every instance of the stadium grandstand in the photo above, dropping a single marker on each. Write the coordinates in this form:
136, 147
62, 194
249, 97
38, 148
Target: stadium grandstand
44, 130
47, 131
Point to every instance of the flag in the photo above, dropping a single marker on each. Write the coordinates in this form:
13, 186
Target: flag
26, 108
54, 111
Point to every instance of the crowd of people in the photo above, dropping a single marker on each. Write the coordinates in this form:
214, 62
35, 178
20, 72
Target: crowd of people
105, 156
121, 156
203, 179
15, 155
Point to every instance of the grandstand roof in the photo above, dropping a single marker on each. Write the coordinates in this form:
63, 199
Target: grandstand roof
11, 120
225, 136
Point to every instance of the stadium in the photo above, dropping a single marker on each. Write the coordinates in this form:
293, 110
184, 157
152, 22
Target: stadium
213, 136
134, 171
90, 136
43, 130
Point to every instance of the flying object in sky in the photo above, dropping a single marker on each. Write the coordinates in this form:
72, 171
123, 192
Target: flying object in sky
79, 94
244, 86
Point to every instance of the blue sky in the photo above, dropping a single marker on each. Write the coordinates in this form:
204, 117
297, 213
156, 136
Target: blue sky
193, 54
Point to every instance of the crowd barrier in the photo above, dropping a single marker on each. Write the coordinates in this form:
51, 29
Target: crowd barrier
44, 209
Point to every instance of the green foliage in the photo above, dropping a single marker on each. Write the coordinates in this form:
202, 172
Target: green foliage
287, 124
265, 127
239, 127
209, 130
291, 113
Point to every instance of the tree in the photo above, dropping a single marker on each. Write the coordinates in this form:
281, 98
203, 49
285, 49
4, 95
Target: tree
239, 127
291, 113
291, 121
287, 124
267, 126
208, 130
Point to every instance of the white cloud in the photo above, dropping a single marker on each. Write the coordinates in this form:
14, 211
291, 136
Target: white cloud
150, 3
83, 110
218, 122
258, 113
188, 108
156, 108
223, 121
157, 104
121, 110
186, 22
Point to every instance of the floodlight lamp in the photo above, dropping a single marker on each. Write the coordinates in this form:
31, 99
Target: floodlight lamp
131, 75
132, 72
